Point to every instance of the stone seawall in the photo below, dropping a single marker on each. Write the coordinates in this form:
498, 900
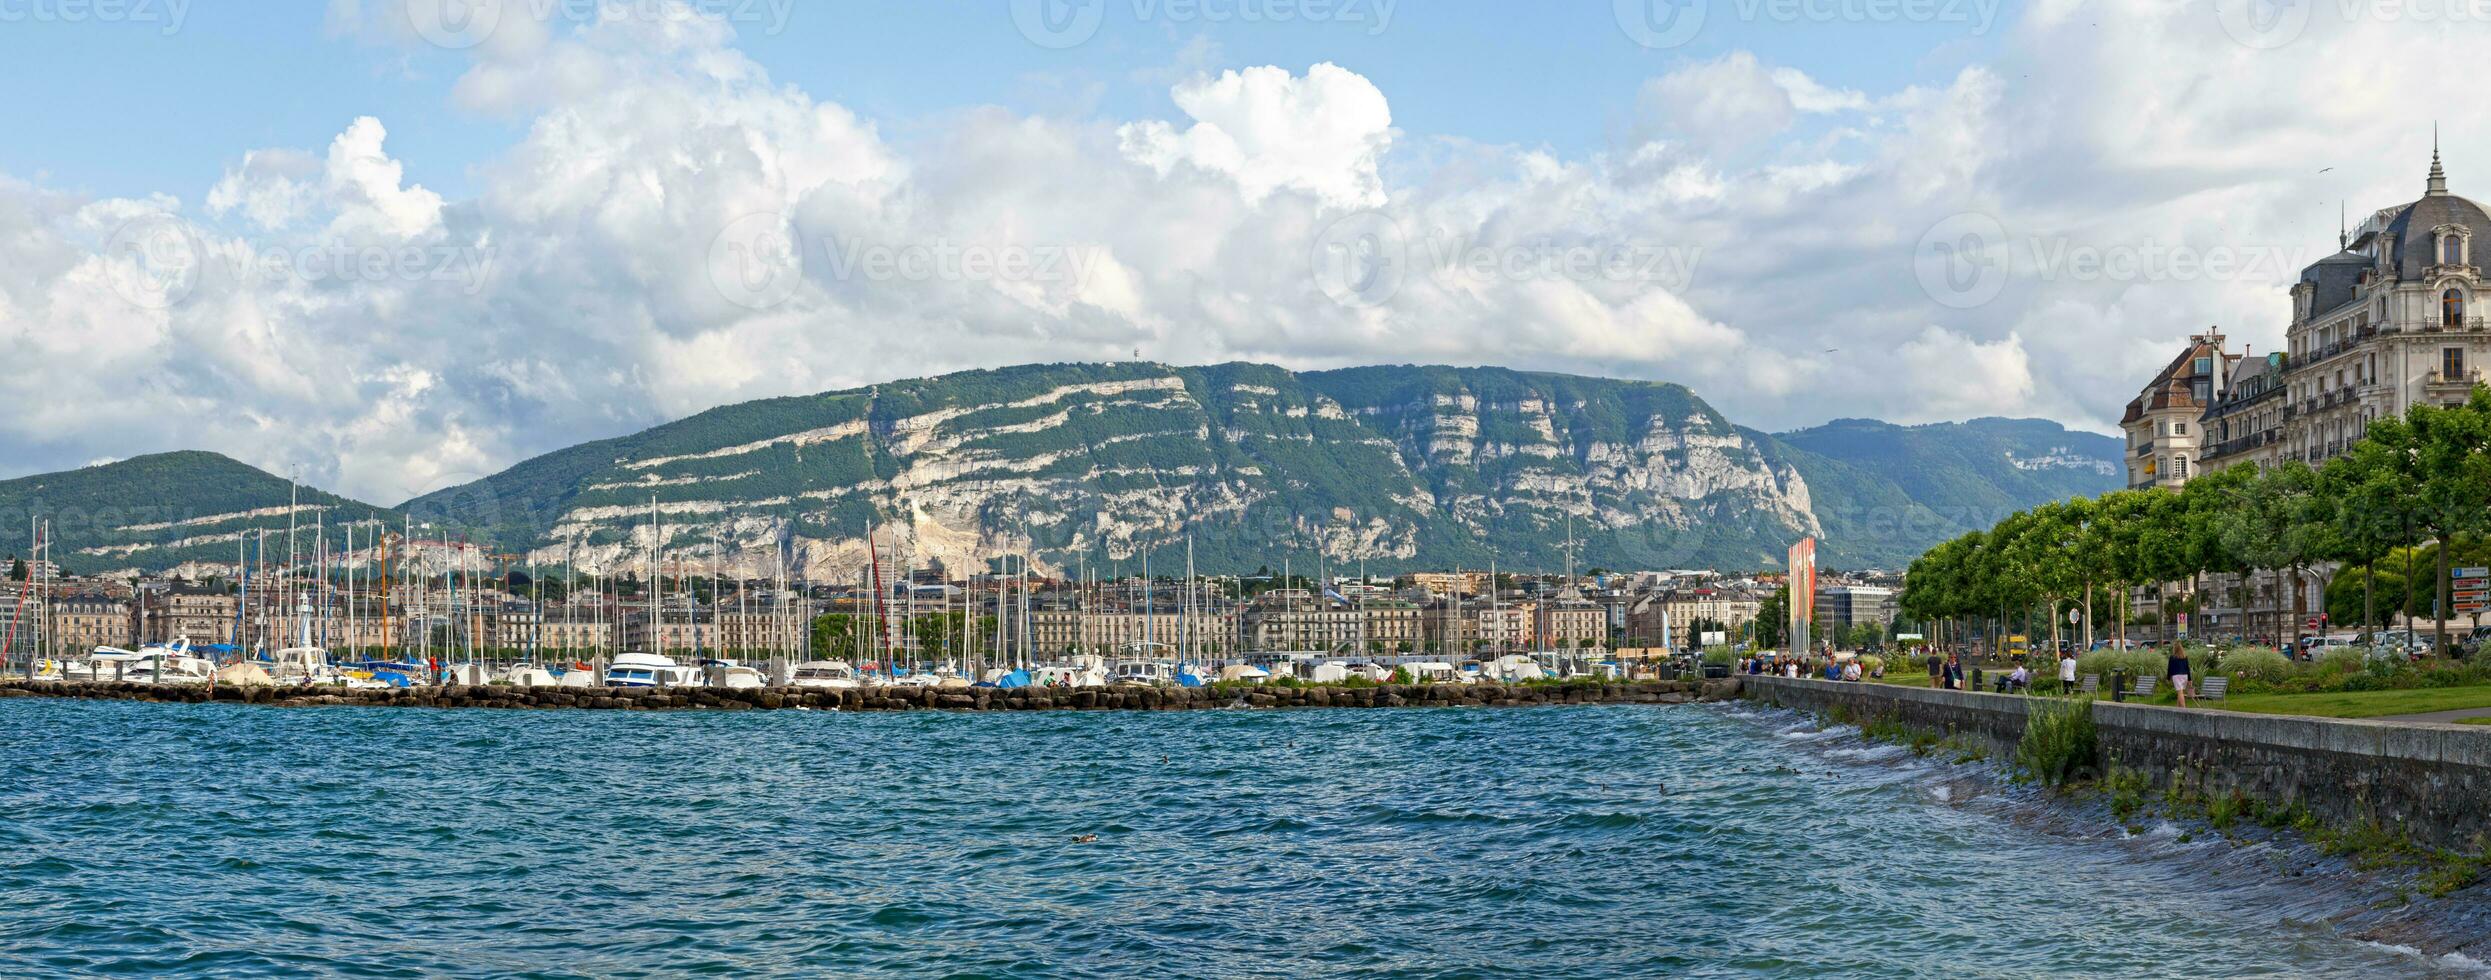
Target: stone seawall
2429, 782
901, 698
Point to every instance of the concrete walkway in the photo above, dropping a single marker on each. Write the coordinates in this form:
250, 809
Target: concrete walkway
2449, 717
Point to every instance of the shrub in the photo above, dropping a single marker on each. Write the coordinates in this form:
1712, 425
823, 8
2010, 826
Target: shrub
2343, 660
2137, 663
2058, 741
1872, 663
1720, 656
2258, 664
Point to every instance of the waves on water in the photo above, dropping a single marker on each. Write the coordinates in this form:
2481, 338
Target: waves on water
1592, 841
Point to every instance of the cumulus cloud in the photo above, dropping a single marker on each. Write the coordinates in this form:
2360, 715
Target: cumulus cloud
674, 230
1324, 132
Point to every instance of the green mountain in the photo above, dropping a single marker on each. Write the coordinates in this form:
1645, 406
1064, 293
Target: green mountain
1956, 475
1389, 468
158, 512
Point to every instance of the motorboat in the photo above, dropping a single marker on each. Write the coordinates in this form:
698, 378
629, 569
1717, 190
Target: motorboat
1156, 673
649, 670
731, 675
825, 674
101, 664
169, 665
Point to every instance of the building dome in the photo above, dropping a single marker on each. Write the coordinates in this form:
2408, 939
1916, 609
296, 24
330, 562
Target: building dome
2416, 226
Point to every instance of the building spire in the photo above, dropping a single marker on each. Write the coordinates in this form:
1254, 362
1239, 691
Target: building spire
2343, 238
2438, 177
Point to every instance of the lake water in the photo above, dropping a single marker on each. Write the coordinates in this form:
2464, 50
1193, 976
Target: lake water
1594, 841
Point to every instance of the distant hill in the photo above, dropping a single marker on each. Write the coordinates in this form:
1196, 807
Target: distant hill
157, 512
1886, 491
1386, 468
1092, 465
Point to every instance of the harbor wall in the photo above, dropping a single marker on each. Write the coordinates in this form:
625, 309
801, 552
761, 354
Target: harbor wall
2429, 782
1121, 698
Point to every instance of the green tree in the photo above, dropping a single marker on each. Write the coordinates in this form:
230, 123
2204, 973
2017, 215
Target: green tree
17, 570
836, 634
2450, 456
2278, 521
1772, 615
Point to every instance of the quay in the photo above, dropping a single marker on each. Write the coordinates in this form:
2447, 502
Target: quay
2423, 781
1112, 698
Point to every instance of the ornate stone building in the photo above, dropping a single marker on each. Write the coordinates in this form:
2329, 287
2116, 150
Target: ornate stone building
2388, 322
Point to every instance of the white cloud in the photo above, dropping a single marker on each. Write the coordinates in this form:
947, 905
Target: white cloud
1754, 238
1324, 132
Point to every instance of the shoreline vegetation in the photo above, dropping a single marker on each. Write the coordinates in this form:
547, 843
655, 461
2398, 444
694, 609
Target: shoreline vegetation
1113, 698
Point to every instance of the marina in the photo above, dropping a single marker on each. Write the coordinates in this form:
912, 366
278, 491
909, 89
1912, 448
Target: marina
897, 697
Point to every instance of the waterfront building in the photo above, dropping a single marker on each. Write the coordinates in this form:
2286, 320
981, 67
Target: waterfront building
1452, 583
2387, 322
80, 622
1069, 629
1569, 621
174, 611
2163, 422
2245, 422
1845, 606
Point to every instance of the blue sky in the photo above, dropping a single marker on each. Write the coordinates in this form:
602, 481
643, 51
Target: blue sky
232, 75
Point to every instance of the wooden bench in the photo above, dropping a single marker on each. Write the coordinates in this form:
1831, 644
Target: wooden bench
2092, 685
2145, 686
2212, 688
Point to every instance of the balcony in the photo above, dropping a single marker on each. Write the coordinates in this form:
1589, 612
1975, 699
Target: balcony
2145, 448
2438, 384
2473, 324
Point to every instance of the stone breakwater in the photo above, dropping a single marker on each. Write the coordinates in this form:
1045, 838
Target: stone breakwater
901, 698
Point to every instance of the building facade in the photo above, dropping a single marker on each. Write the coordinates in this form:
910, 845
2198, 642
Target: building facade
2388, 322
2164, 422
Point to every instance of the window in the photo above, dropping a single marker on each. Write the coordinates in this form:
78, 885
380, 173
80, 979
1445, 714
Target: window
2452, 308
2179, 467
2452, 363
2179, 428
2203, 390
2452, 249
2203, 365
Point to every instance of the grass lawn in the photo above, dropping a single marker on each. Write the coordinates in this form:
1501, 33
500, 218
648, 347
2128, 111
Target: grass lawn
2361, 704
2484, 720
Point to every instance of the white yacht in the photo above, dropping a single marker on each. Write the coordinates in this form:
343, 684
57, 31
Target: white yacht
164, 665
650, 670
1151, 672
825, 674
738, 676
